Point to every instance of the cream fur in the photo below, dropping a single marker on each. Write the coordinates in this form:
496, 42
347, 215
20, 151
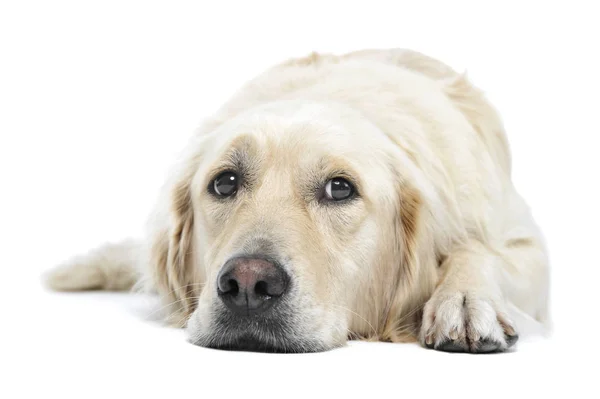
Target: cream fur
439, 247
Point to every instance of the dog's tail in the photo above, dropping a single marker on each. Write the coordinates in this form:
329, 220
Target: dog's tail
113, 267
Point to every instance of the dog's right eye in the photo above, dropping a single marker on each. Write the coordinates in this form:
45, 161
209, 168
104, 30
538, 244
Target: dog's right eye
338, 189
226, 184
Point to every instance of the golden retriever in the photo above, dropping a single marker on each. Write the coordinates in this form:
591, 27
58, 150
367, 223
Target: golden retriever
363, 196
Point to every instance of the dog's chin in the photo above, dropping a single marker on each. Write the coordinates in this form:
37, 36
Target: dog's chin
257, 335
248, 343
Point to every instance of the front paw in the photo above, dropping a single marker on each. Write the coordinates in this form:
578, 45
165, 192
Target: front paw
466, 322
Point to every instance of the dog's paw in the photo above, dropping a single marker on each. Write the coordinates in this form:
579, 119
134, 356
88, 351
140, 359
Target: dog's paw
466, 322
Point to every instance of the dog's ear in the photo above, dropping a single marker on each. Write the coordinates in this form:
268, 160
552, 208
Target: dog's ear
416, 243
172, 251
409, 226
413, 276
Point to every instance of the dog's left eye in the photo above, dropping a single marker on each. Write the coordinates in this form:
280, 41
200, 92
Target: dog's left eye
338, 189
226, 184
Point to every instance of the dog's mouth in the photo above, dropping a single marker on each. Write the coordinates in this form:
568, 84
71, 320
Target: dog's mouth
273, 330
257, 334
251, 344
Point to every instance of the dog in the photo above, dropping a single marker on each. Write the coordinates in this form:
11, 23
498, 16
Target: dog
362, 196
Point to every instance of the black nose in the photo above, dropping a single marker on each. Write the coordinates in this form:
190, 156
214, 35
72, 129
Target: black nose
251, 285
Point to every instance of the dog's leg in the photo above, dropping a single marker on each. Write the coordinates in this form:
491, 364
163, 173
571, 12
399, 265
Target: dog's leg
110, 267
469, 310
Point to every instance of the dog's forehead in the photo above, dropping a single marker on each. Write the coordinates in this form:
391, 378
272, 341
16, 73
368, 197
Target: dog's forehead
304, 130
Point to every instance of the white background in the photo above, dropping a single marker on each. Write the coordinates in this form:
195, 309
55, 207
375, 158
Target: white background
96, 98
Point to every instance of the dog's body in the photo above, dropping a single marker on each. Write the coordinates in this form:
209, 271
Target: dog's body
432, 242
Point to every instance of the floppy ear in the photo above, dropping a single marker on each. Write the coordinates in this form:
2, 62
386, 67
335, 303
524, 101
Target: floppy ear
417, 249
409, 217
415, 265
171, 253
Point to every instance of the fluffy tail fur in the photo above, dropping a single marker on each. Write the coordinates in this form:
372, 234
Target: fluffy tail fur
112, 267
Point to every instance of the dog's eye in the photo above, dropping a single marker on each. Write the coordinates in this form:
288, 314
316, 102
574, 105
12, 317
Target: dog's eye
338, 189
226, 184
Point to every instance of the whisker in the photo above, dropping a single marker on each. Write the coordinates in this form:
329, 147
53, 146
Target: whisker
362, 318
171, 304
410, 313
187, 286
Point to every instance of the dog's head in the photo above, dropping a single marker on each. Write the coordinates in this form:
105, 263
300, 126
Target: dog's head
293, 227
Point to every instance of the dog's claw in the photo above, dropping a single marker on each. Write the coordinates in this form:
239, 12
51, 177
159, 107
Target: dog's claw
429, 341
512, 339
